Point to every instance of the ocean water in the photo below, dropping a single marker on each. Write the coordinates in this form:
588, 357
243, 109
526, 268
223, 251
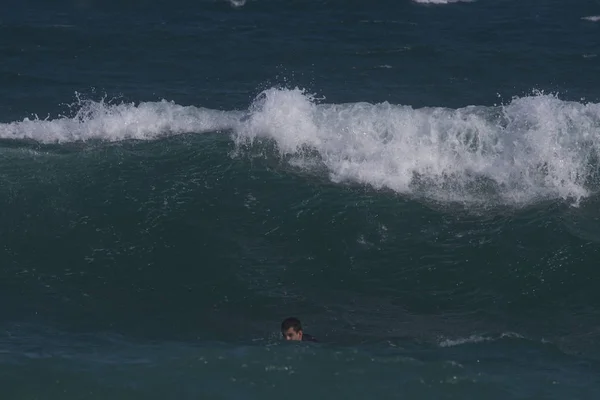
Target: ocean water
417, 180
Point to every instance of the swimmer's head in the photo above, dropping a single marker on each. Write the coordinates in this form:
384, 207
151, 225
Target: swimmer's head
291, 329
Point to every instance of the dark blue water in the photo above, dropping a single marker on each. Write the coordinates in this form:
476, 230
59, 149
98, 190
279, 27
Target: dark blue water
417, 181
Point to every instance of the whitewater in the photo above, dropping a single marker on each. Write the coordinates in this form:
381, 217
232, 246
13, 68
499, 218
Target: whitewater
533, 148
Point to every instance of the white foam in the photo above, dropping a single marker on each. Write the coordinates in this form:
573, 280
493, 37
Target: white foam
98, 120
534, 148
478, 339
461, 341
237, 3
592, 18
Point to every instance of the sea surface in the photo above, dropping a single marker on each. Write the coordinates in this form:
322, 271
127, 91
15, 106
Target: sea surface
418, 181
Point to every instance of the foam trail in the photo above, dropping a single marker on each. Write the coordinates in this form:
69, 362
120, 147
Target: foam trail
101, 121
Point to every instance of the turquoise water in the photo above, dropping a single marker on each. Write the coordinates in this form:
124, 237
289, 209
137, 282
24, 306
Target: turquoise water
417, 182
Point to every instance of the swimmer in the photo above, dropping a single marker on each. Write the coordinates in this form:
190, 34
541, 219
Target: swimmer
291, 329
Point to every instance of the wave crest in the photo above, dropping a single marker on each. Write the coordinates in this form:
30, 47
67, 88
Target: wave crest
536, 147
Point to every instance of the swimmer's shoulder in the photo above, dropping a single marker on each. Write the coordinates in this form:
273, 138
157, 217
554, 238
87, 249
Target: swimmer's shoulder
308, 338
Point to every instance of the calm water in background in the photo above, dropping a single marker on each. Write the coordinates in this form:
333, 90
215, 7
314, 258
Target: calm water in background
416, 180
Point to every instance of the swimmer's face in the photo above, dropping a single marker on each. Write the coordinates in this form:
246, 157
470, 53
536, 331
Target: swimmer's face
291, 334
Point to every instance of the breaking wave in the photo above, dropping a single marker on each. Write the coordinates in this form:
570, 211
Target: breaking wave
536, 147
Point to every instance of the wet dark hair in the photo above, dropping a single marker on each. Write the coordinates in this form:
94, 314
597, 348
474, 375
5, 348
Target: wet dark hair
291, 322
